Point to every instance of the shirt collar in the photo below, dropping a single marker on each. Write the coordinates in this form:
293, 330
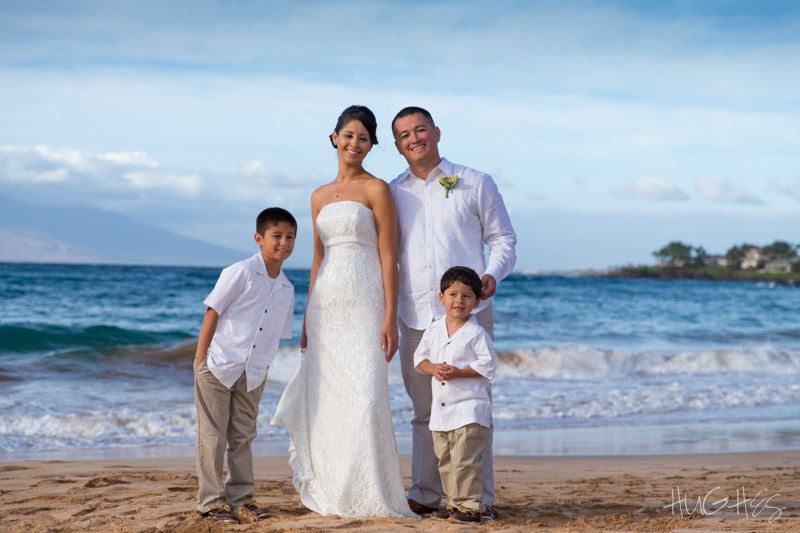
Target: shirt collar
256, 264
469, 328
444, 166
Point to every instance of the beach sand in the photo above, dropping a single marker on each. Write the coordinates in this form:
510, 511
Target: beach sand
543, 494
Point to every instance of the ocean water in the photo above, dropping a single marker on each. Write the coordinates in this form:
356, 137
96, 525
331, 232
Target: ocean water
97, 361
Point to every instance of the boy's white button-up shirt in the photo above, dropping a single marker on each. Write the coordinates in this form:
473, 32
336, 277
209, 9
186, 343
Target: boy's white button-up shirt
459, 401
437, 231
255, 312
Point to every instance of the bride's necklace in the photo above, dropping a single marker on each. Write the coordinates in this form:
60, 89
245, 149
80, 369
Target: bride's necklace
337, 187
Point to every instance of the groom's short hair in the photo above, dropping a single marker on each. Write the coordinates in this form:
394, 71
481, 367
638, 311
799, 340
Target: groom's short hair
465, 275
411, 110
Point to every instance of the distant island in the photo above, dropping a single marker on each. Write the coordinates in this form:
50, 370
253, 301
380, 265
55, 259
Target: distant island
777, 262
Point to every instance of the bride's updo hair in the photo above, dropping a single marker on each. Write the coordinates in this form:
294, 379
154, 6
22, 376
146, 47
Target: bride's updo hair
362, 114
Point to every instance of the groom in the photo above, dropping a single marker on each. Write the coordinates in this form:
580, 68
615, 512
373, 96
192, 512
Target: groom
440, 227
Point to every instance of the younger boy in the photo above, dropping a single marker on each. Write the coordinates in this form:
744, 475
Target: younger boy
458, 353
248, 311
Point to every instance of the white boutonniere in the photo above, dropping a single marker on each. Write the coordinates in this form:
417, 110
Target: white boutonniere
448, 182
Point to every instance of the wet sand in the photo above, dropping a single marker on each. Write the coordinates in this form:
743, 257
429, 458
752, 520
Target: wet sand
544, 494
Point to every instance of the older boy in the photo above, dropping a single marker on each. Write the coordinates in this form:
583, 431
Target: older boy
247, 313
458, 353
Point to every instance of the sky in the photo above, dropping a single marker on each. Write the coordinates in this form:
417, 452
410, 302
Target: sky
611, 128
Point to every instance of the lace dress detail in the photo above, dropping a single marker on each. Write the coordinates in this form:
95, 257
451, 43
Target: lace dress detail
336, 407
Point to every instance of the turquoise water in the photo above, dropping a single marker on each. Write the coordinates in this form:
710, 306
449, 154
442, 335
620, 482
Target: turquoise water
99, 358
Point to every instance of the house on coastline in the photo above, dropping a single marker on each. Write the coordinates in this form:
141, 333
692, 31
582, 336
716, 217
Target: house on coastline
781, 265
752, 258
716, 261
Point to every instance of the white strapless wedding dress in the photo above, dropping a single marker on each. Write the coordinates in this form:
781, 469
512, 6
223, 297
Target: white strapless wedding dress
336, 407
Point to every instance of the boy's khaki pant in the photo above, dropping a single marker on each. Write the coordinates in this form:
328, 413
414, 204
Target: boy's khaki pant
225, 419
460, 454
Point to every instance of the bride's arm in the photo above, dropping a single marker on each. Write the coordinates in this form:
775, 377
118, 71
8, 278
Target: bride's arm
319, 253
385, 211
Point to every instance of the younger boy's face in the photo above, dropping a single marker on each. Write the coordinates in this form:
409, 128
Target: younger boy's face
459, 300
277, 243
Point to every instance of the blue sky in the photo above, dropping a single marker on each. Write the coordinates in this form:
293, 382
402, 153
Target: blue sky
611, 128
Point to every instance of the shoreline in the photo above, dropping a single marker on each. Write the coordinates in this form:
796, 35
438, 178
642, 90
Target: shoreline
546, 493
703, 274
617, 441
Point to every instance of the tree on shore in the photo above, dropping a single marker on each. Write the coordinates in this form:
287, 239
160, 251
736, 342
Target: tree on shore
700, 256
735, 254
780, 250
675, 253
679, 254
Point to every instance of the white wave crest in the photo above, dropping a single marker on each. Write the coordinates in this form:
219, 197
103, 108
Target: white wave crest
583, 362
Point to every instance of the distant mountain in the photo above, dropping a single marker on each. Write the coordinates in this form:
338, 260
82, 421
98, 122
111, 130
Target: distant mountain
87, 235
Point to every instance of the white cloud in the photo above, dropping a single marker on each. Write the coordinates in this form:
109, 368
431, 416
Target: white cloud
20, 167
184, 184
71, 158
650, 189
52, 176
138, 159
13, 172
792, 190
254, 167
259, 174
719, 190
183, 200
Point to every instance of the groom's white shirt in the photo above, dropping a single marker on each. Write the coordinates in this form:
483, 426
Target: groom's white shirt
438, 232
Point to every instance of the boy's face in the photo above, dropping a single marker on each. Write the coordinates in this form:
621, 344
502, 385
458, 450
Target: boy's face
277, 243
459, 300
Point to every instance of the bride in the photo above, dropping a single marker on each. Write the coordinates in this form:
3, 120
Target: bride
336, 407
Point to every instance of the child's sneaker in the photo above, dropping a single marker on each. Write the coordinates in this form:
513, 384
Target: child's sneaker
467, 516
444, 514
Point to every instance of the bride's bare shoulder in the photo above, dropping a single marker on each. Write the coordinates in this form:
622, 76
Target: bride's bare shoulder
376, 185
319, 193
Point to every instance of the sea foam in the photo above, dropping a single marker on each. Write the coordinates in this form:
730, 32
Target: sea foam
583, 362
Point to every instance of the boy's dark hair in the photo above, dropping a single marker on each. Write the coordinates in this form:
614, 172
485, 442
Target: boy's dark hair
465, 275
408, 111
271, 216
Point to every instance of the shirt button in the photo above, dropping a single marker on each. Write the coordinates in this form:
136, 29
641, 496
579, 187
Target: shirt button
442, 404
265, 310
260, 329
442, 383
254, 346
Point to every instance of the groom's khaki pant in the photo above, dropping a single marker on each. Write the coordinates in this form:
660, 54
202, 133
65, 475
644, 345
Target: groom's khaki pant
426, 485
226, 418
